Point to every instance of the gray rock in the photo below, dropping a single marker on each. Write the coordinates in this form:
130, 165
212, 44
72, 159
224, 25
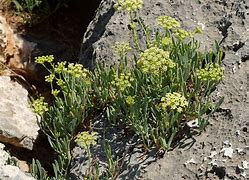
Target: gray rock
227, 22
18, 124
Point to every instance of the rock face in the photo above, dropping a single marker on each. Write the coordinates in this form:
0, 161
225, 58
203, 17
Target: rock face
226, 139
9, 172
18, 124
14, 50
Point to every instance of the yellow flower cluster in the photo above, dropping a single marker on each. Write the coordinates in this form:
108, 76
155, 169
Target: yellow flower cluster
168, 22
121, 48
43, 59
39, 106
212, 72
61, 83
128, 5
155, 60
182, 34
55, 92
130, 100
166, 41
77, 70
172, 24
174, 101
86, 139
50, 78
122, 81
60, 67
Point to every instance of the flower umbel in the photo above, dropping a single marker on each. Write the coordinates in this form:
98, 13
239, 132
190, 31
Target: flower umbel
130, 100
212, 72
174, 101
122, 81
55, 92
50, 78
155, 60
43, 59
121, 48
39, 106
166, 41
182, 34
168, 22
86, 139
60, 67
128, 5
77, 70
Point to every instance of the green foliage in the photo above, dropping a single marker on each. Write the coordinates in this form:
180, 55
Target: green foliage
70, 108
35, 11
26, 5
38, 171
113, 166
166, 83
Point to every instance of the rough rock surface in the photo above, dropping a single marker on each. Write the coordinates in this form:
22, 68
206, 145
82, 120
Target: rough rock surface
18, 124
9, 172
14, 50
221, 152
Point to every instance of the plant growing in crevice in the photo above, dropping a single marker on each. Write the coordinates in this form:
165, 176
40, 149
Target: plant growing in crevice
70, 108
166, 83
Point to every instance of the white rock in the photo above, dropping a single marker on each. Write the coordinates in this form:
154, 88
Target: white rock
4, 156
237, 132
193, 123
191, 161
18, 124
243, 174
245, 164
212, 154
213, 162
228, 152
239, 150
226, 142
9, 172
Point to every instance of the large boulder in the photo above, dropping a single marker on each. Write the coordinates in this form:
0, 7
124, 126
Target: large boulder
223, 21
221, 151
18, 124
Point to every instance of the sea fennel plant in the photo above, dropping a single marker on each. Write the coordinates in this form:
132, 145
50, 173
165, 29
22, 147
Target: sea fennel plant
162, 81
70, 108
167, 84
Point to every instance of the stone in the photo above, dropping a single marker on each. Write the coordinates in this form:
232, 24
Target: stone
9, 172
14, 50
18, 124
4, 156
